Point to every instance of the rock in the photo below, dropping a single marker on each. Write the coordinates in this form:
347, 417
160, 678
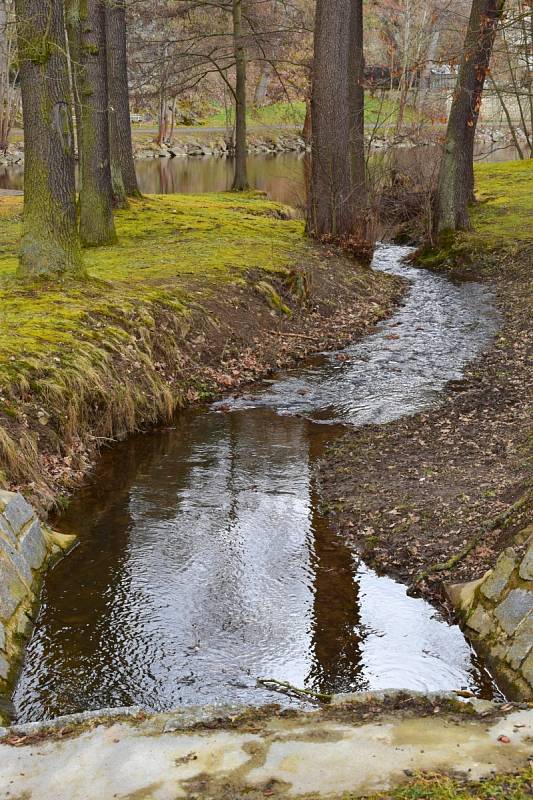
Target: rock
15, 509
4, 668
522, 643
495, 584
32, 546
12, 589
2, 637
480, 621
527, 669
526, 567
462, 595
512, 611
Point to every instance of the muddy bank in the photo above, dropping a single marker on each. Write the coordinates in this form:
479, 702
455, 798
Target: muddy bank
434, 498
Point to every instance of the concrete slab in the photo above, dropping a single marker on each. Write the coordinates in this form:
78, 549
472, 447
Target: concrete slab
288, 755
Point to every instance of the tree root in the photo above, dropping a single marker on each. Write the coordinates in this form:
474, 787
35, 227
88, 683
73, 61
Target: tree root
294, 691
500, 521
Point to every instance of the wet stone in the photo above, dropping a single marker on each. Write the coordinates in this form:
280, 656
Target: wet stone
5, 531
12, 590
527, 669
526, 567
480, 621
522, 644
16, 510
32, 545
4, 668
495, 584
512, 611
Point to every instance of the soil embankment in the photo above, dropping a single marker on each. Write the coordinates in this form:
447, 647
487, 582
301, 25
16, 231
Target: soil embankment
434, 498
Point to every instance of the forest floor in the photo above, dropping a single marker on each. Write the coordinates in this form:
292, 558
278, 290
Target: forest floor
416, 492
201, 294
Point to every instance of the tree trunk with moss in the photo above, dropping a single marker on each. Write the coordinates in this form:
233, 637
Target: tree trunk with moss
335, 98
122, 163
96, 194
456, 177
240, 180
50, 241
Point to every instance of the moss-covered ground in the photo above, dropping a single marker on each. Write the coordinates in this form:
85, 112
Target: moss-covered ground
518, 786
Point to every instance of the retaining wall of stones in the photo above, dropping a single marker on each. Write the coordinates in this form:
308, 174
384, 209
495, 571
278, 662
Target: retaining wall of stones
26, 547
498, 614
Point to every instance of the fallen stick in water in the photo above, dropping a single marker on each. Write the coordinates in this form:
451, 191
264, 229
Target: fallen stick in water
288, 688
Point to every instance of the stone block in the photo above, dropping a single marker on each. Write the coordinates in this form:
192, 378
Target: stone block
495, 584
480, 621
527, 669
32, 545
522, 643
5, 531
2, 637
17, 561
12, 589
16, 510
4, 668
526, 567
514, 609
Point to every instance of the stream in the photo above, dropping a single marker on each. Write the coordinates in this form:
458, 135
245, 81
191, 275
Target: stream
204, 562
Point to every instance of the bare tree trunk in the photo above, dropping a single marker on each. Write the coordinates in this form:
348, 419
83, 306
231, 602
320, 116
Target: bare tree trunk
9, 103
330, 209
240, 180
261, 89
431, 55
50, 241
96, 193
117, 75
456, 177
357, 107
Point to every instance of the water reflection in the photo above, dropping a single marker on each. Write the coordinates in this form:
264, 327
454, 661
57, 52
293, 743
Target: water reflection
281, 176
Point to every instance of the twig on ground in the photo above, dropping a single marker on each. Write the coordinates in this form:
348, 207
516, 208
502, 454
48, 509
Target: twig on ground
500, 520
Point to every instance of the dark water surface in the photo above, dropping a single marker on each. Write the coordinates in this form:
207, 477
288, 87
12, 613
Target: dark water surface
204, 562
281, 176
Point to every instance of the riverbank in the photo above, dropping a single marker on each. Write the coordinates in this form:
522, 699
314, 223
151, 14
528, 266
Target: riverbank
202, 294
433, 499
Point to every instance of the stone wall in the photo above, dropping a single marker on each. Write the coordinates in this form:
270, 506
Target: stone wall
26, 547
498, 614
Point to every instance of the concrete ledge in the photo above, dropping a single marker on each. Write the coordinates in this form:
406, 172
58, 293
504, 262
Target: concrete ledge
229, 752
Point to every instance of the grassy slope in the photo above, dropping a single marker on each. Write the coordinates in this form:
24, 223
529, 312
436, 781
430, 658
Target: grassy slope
164, 242
60, 343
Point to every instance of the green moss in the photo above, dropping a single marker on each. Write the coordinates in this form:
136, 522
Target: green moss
501, 220
167, 246
437, 787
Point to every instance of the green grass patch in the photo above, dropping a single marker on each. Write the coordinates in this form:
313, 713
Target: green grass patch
437, 787
170, 248
284, 113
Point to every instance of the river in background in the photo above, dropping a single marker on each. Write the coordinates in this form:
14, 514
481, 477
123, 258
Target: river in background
204, 562
281, 176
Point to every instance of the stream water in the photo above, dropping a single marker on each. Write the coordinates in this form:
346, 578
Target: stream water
204, 562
